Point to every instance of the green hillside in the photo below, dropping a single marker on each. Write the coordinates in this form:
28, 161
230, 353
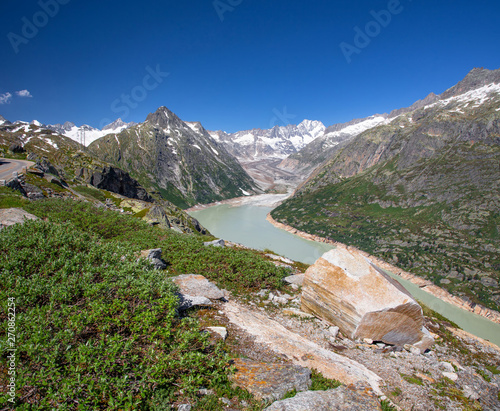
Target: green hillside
422, 192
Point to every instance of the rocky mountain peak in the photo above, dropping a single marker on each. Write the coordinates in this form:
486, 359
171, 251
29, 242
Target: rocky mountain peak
476, 78
4, 121
164, 118
118, 124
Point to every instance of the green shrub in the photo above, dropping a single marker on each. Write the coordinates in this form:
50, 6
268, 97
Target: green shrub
96, 329
230, 268
321, 383
10, 198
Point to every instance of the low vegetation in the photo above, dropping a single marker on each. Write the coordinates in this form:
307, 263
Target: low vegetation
96, 327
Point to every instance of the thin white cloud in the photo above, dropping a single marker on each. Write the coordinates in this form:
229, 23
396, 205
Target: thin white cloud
23, 93
5, 98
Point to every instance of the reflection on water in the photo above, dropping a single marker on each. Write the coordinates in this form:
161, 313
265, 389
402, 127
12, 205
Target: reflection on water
247, 225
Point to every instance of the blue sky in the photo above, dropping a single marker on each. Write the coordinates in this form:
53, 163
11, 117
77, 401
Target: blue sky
236, 64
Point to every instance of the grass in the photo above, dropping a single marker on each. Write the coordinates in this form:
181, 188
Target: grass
387, 406
10, 198
412, 379
493, 369
483, 374
318, 383
321, 383
91, 192
447, 388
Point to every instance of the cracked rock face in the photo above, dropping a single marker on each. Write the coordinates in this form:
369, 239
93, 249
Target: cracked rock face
345, 289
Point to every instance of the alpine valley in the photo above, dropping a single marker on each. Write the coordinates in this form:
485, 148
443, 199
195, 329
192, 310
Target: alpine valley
418, 187
125, 301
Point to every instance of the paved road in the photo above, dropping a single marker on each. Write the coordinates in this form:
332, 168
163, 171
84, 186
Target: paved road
9, 166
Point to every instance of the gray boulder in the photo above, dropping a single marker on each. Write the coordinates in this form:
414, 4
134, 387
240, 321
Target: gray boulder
155, 257
188, 301
11, 216
215, 243
297, 279
197, 286
342, 398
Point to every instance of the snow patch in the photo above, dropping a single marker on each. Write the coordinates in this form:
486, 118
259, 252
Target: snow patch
215, 136
245, 139
473, 98
359, 128
197, 146
193, 126
53, 144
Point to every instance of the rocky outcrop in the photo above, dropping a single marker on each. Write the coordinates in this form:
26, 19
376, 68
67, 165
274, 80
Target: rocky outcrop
298, 348
46, 166
342, 398
267, 381
11, 216
216, 243
27, 190
196, 290
157, 216
119, 182
155, 257
343, 288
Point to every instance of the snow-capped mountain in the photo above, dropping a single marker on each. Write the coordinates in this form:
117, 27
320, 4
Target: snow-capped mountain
479, 88
278, 142
86, 134
4, 121
118, 125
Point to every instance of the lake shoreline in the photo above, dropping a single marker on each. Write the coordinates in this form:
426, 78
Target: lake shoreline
423, 284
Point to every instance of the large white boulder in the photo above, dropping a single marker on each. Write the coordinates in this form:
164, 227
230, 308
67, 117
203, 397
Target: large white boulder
345, 289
